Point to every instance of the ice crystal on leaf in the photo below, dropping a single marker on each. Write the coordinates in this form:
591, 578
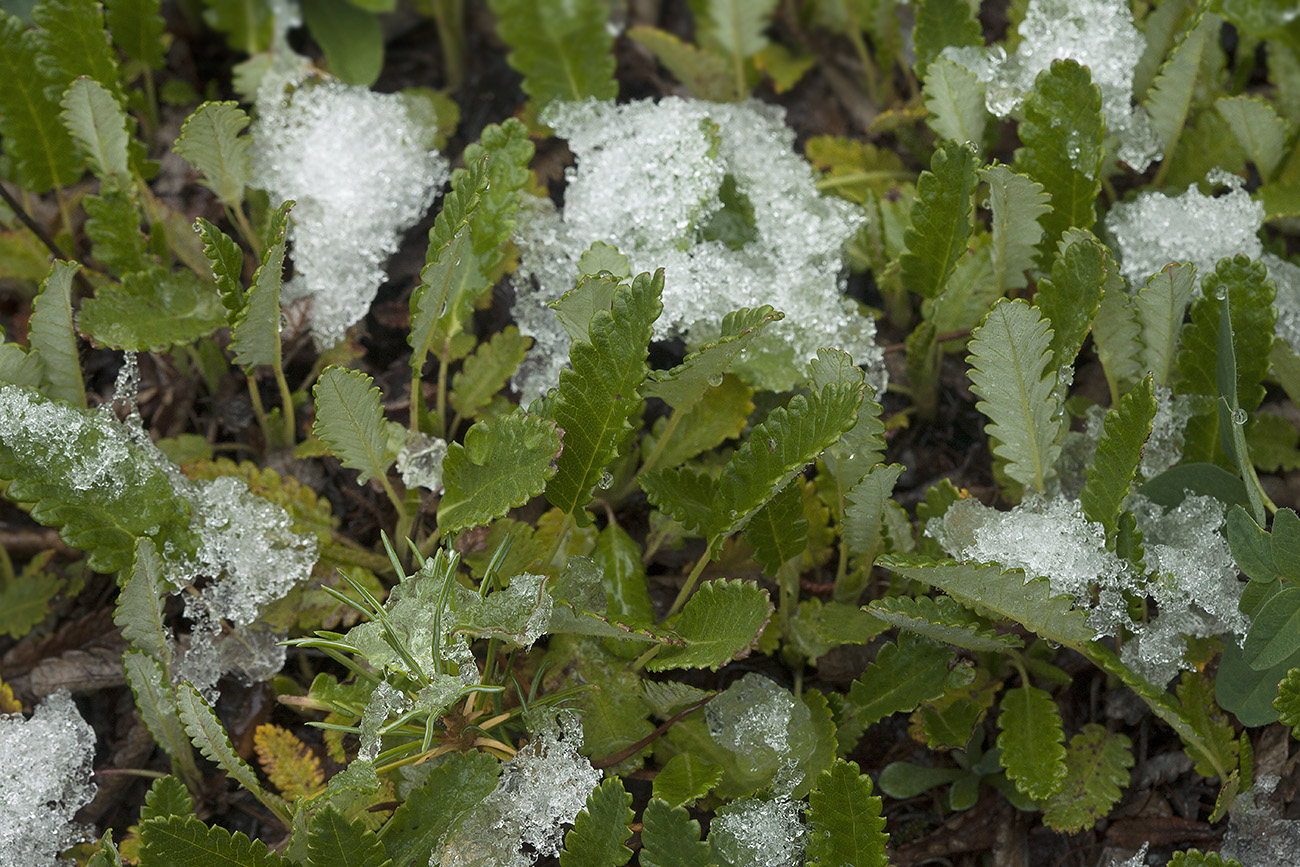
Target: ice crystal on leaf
420, 462
1162, 450
1099, 34
45, 777
759, 832
359, 166
1257, 833
764, 725
1287, 278
1155, 229
715, 195
540, 791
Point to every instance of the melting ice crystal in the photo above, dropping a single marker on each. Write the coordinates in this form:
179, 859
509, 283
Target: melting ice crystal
650, 179
759, 832
45, 777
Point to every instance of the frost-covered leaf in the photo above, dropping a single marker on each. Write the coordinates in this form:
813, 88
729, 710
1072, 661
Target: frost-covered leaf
139, 612
563, 49
597, 397
333, 841
1071, 297
903, 675
1116, 460
721, 622
941, 220
287, 762
1287, 703
1017, 203
1004, 594
778, 532
940, 23
52, 334
179, 308
98, 124
1096, 766
1031, 741
1013, 373
255, 329
184, 840
684, 494
601, 829
864, 508
454, 787
207, 733
137, 28
942, 619
686, 778
671, 838
706, 425
210, 141
350, 421
42, 153
156, 699
1255, 123
1170, 98
503, 463
113, 226
1062, 135
1161, 306
73, 42
486, 371
955, 99
845, 828
684, 385
705, 74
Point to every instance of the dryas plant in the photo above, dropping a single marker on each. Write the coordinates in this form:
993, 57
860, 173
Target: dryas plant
517, 646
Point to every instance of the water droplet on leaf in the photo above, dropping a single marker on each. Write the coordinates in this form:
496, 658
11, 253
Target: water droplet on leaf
606, 480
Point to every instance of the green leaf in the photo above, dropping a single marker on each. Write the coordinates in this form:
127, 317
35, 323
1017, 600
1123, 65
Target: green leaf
1196, 703
685, 778
227, 261
671, 838
1096, 768
1251, 546
684, 385
1116, 337
683, 494
41, 151
942, 619
73, 42
113, 226
1071, 297
1062, 135
940, 23
179, 308
720, 623
487, 371
1111, 473
1248, 694
508, 151
597, 397
139, 612
350, 421
255, 328
1017, 203
864, 509
98, 124
844, 822
247, 24
903, 780
24, 602
734, 29
1275, 631
52, 334
156, 699
1013, 373
1004, 594
1161, 306
941, 220
901, 677
184, 841
333, 841
1031, 741
955, 100
166, 797
704, 73
504, 463
1255, 123
705, 425
576, 307
562, 48
1197, 858
1284, 543
1170, 98
137, 28
778, 532
81, 474
18, 366
351, 37
1287, 703
207, 733
210, 141
601, 829
454, 787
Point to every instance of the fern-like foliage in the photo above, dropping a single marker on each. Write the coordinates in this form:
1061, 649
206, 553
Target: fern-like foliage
156, 699
564, 50
1062, 135
903, 675
941, 220
255, 329
684, 494
113, 226
1071, 297
486, 371
684, 385
178, 840
287, 762
350, 421
181, 310
1017, 204
507, 151
720, 623
139, 612
137, 28
598, 396
940, 23
42, 152
864, 509
503, 463
432, 809
166, 797
671, 838
844, 822
1171, 95
73, 42
1115, 463
210, 141
52, 333
685, 778
1287, 702
1160, 307
333, 841
1031, 741
942, 619
1261, 131
1096, 766
1013, 373
98, 124
600, 830
734, 30
704, 73
1197, 858
779, 532
955, 100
